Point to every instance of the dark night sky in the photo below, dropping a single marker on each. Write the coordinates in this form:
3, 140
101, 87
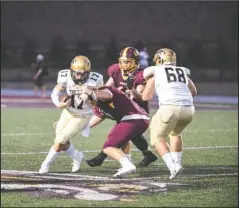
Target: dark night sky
96, 21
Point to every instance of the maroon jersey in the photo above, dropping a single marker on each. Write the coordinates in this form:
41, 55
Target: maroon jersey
115, 72
120, 107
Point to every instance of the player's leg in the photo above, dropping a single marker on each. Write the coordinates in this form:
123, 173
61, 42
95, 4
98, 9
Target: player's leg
67, 127
126, 148
99, 159
176, 143
36, 87
141, 143
119, 135
161, 125
43, 89
56, 148
42, 86
74, 126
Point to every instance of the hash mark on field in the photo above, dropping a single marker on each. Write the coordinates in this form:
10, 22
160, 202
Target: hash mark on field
135, 150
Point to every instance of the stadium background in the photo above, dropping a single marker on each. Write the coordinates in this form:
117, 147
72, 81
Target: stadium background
203, 34
205, 38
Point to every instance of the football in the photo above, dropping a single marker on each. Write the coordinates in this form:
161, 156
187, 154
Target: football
64, 97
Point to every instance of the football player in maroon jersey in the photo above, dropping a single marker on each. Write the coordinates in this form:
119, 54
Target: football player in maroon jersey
131, 122
127, 77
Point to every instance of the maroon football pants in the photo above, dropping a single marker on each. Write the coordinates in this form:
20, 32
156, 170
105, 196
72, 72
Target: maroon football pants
124, 131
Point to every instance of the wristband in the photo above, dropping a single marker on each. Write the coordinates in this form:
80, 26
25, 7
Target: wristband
92, 96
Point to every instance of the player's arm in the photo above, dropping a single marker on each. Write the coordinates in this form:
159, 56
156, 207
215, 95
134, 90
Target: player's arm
103, 94
148, 92
192, 87
95, 120
137, 93
110, 82
38, 73
55, 95
148, 72
94, 94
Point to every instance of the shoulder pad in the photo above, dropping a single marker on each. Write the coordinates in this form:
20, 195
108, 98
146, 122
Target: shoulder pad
112, 69
148, 72
95, 79
63, 77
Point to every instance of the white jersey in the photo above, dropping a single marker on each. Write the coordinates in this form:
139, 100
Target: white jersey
75, 90
171, 84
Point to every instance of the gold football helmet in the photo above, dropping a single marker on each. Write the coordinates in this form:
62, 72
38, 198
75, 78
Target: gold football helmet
80, 69
164, 56
128, 61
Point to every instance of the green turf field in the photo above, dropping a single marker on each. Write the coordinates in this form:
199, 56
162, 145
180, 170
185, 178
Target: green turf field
209, 178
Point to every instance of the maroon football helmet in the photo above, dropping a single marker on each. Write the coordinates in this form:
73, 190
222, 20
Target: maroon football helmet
128, 60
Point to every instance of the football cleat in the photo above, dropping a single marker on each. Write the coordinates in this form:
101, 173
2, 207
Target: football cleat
76, 163
44, 169
124, 171
97, 161
175, 172
149, 157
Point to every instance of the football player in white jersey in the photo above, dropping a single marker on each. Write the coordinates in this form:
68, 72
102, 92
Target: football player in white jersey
76, 112
175, 91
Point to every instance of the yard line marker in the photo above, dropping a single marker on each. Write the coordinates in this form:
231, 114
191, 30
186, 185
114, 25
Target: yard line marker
136, 150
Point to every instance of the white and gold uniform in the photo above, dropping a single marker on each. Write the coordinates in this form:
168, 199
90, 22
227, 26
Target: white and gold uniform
175, 100
76, 117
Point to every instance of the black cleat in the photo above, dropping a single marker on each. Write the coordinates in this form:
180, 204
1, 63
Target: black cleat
148, 158
97, 161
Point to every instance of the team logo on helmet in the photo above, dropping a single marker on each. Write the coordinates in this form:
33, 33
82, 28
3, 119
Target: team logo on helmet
164, 56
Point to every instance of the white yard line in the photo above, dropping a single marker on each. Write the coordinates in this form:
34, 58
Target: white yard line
76, 177
46, 133
21, 134
85, 151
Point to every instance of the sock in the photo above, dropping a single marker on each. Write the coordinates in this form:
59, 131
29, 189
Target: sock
71, 151
141, 143
177, 157
101, 156
168, 159
52, 154
125, 162
129, 156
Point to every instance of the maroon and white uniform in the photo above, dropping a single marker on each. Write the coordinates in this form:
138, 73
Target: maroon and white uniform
132, 120
116, 74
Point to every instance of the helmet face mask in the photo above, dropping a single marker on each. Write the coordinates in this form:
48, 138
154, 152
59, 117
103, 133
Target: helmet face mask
80, 69
128, 61
165, 56
127, 65
78, 77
